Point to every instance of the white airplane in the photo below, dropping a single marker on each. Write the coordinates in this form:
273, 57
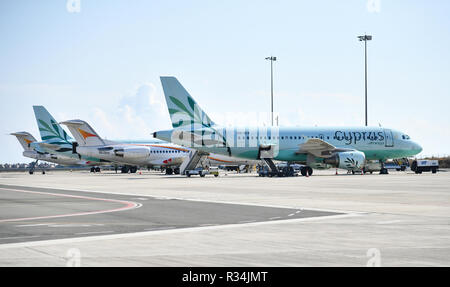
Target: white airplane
154, 153
26, 140
315, 147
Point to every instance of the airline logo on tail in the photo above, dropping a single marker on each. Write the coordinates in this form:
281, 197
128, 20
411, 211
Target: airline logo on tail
183, 110
27, 141
85, 134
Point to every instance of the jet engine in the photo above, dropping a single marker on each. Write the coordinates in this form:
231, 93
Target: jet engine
351, 160
132, 152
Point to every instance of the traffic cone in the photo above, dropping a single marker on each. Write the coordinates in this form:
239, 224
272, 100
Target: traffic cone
336, 172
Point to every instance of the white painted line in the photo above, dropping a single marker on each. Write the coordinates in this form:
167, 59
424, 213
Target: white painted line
171, 231
292, 214
32, 225
276, 217
128, 205
94, 232
17, 237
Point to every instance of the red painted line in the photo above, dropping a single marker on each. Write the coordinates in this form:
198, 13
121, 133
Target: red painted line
128, 205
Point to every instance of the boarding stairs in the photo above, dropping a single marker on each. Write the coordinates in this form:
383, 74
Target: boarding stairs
192, 160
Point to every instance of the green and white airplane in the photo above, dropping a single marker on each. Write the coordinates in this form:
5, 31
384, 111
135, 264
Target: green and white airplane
315, 147
57, 142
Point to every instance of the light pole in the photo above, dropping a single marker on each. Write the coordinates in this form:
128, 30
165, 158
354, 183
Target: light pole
365, 38
271, 83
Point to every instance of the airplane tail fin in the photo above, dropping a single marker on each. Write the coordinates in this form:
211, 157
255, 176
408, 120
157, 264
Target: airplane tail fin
183, 109
84, 134
25, 139
49, 127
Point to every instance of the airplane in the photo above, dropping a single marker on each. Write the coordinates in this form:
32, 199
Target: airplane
26, 139
314, 147
56, 141
154, 153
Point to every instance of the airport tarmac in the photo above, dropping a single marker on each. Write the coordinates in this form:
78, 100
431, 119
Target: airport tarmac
150, 219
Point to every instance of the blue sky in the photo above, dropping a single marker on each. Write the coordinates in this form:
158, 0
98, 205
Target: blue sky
103, 64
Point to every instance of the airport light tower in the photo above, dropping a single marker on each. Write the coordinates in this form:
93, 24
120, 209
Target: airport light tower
365, 38
271, 59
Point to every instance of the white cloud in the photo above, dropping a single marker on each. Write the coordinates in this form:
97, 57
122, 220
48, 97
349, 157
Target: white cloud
136, 117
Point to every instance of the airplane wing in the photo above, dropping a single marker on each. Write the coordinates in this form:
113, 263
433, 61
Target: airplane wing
319, 148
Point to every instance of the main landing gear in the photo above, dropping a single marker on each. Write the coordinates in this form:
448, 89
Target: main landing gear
170, 171
128, 169
95, 169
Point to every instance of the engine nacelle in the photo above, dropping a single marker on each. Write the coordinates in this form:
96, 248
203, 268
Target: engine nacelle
132, 152
351, 160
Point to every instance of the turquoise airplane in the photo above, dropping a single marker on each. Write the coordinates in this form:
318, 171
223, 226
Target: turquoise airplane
314, 147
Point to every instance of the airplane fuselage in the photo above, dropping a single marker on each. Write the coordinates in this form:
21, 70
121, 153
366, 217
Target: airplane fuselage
375, 142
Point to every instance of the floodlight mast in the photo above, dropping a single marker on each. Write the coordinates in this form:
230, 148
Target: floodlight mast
271, 59
365, 38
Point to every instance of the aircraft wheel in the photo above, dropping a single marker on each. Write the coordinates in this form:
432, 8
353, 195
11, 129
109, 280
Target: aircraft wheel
97, 169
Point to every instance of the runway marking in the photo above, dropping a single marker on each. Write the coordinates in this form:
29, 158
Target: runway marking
94, 232
276, 217
17, 237
128, 205
32, 225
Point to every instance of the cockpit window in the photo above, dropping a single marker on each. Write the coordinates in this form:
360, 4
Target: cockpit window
405, 137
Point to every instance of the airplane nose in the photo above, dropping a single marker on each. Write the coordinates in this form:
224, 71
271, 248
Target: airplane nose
417, 148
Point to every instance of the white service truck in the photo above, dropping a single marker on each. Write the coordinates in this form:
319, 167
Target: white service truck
420, 165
